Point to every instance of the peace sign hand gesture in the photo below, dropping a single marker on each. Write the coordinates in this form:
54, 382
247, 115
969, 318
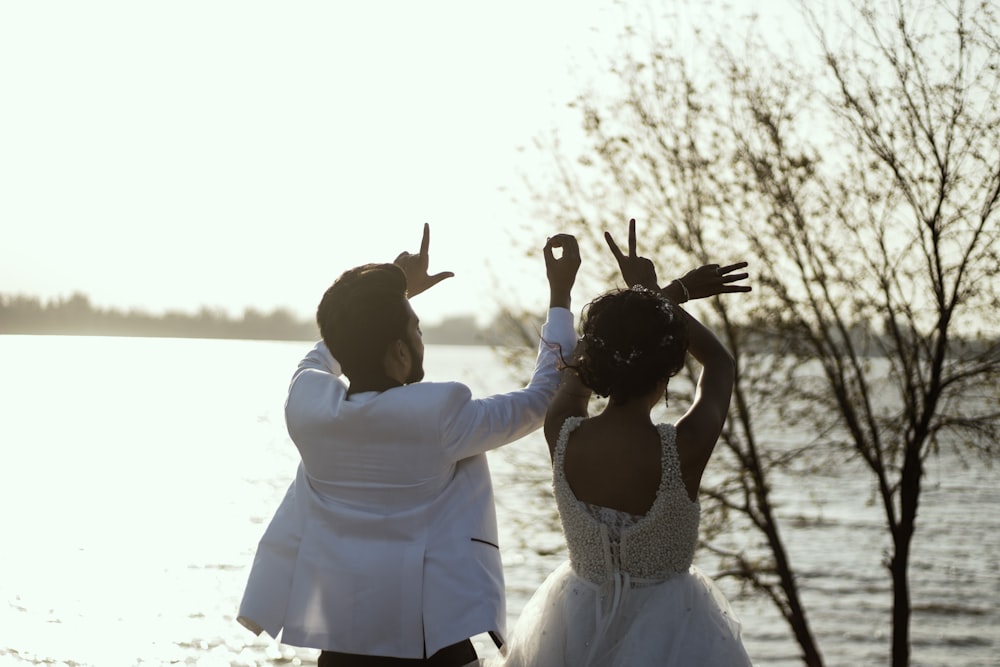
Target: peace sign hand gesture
635, 270
415, 267
707, 280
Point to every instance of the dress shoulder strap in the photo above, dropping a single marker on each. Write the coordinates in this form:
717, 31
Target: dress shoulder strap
568, 427
670, 462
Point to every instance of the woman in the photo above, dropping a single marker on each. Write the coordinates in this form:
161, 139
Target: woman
627, 489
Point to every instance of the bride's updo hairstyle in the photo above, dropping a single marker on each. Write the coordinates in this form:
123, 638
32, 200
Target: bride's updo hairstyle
634, 339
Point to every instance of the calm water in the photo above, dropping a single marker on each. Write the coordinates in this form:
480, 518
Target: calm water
136, 476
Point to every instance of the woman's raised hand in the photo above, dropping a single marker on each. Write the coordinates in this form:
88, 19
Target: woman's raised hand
707, 280
635, 270
710, 280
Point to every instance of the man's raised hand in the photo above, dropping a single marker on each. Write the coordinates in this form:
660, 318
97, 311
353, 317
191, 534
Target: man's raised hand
415, 267
561, 271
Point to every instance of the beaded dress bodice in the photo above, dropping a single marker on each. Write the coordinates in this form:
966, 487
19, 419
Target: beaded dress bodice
653, 546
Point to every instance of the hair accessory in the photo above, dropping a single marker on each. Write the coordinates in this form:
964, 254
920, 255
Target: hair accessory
622, 360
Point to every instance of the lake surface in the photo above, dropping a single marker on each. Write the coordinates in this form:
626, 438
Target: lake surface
137, 475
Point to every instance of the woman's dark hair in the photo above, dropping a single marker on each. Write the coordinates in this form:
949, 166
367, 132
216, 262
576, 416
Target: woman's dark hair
634, 339
361, 314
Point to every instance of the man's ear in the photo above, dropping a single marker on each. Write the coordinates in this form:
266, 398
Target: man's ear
396, 357
400, 351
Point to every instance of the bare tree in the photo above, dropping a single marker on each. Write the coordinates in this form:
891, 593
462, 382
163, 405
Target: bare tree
863, 186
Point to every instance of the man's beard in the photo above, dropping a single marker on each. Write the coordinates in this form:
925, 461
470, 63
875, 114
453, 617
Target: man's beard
417, 370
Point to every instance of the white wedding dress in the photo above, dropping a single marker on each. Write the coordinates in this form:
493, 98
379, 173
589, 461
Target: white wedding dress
628, 596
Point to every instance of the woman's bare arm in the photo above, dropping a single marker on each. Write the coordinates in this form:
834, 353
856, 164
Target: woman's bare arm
699, 428
571, 400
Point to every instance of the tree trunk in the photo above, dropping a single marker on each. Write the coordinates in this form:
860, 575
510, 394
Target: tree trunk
900, 606
796, 613
909, 497
792, 609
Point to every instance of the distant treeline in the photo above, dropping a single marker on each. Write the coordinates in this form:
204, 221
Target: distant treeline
76, 315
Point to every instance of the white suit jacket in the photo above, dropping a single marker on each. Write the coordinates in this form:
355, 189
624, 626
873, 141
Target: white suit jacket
386, 541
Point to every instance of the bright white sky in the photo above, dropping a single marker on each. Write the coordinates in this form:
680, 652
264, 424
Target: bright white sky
174, 155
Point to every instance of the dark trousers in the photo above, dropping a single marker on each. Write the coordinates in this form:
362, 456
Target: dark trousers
455, 655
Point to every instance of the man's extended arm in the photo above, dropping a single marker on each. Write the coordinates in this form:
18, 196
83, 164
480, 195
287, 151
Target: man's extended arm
484, 424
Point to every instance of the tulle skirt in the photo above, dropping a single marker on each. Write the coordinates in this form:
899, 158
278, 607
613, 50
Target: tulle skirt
683, 621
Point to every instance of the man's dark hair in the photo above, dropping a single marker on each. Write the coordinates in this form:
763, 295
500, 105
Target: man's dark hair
361, 314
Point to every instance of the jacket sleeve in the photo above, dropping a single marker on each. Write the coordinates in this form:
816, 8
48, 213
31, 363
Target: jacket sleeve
318, 391
318, 359
477, 426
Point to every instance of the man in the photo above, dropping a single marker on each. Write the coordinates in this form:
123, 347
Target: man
384, 550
